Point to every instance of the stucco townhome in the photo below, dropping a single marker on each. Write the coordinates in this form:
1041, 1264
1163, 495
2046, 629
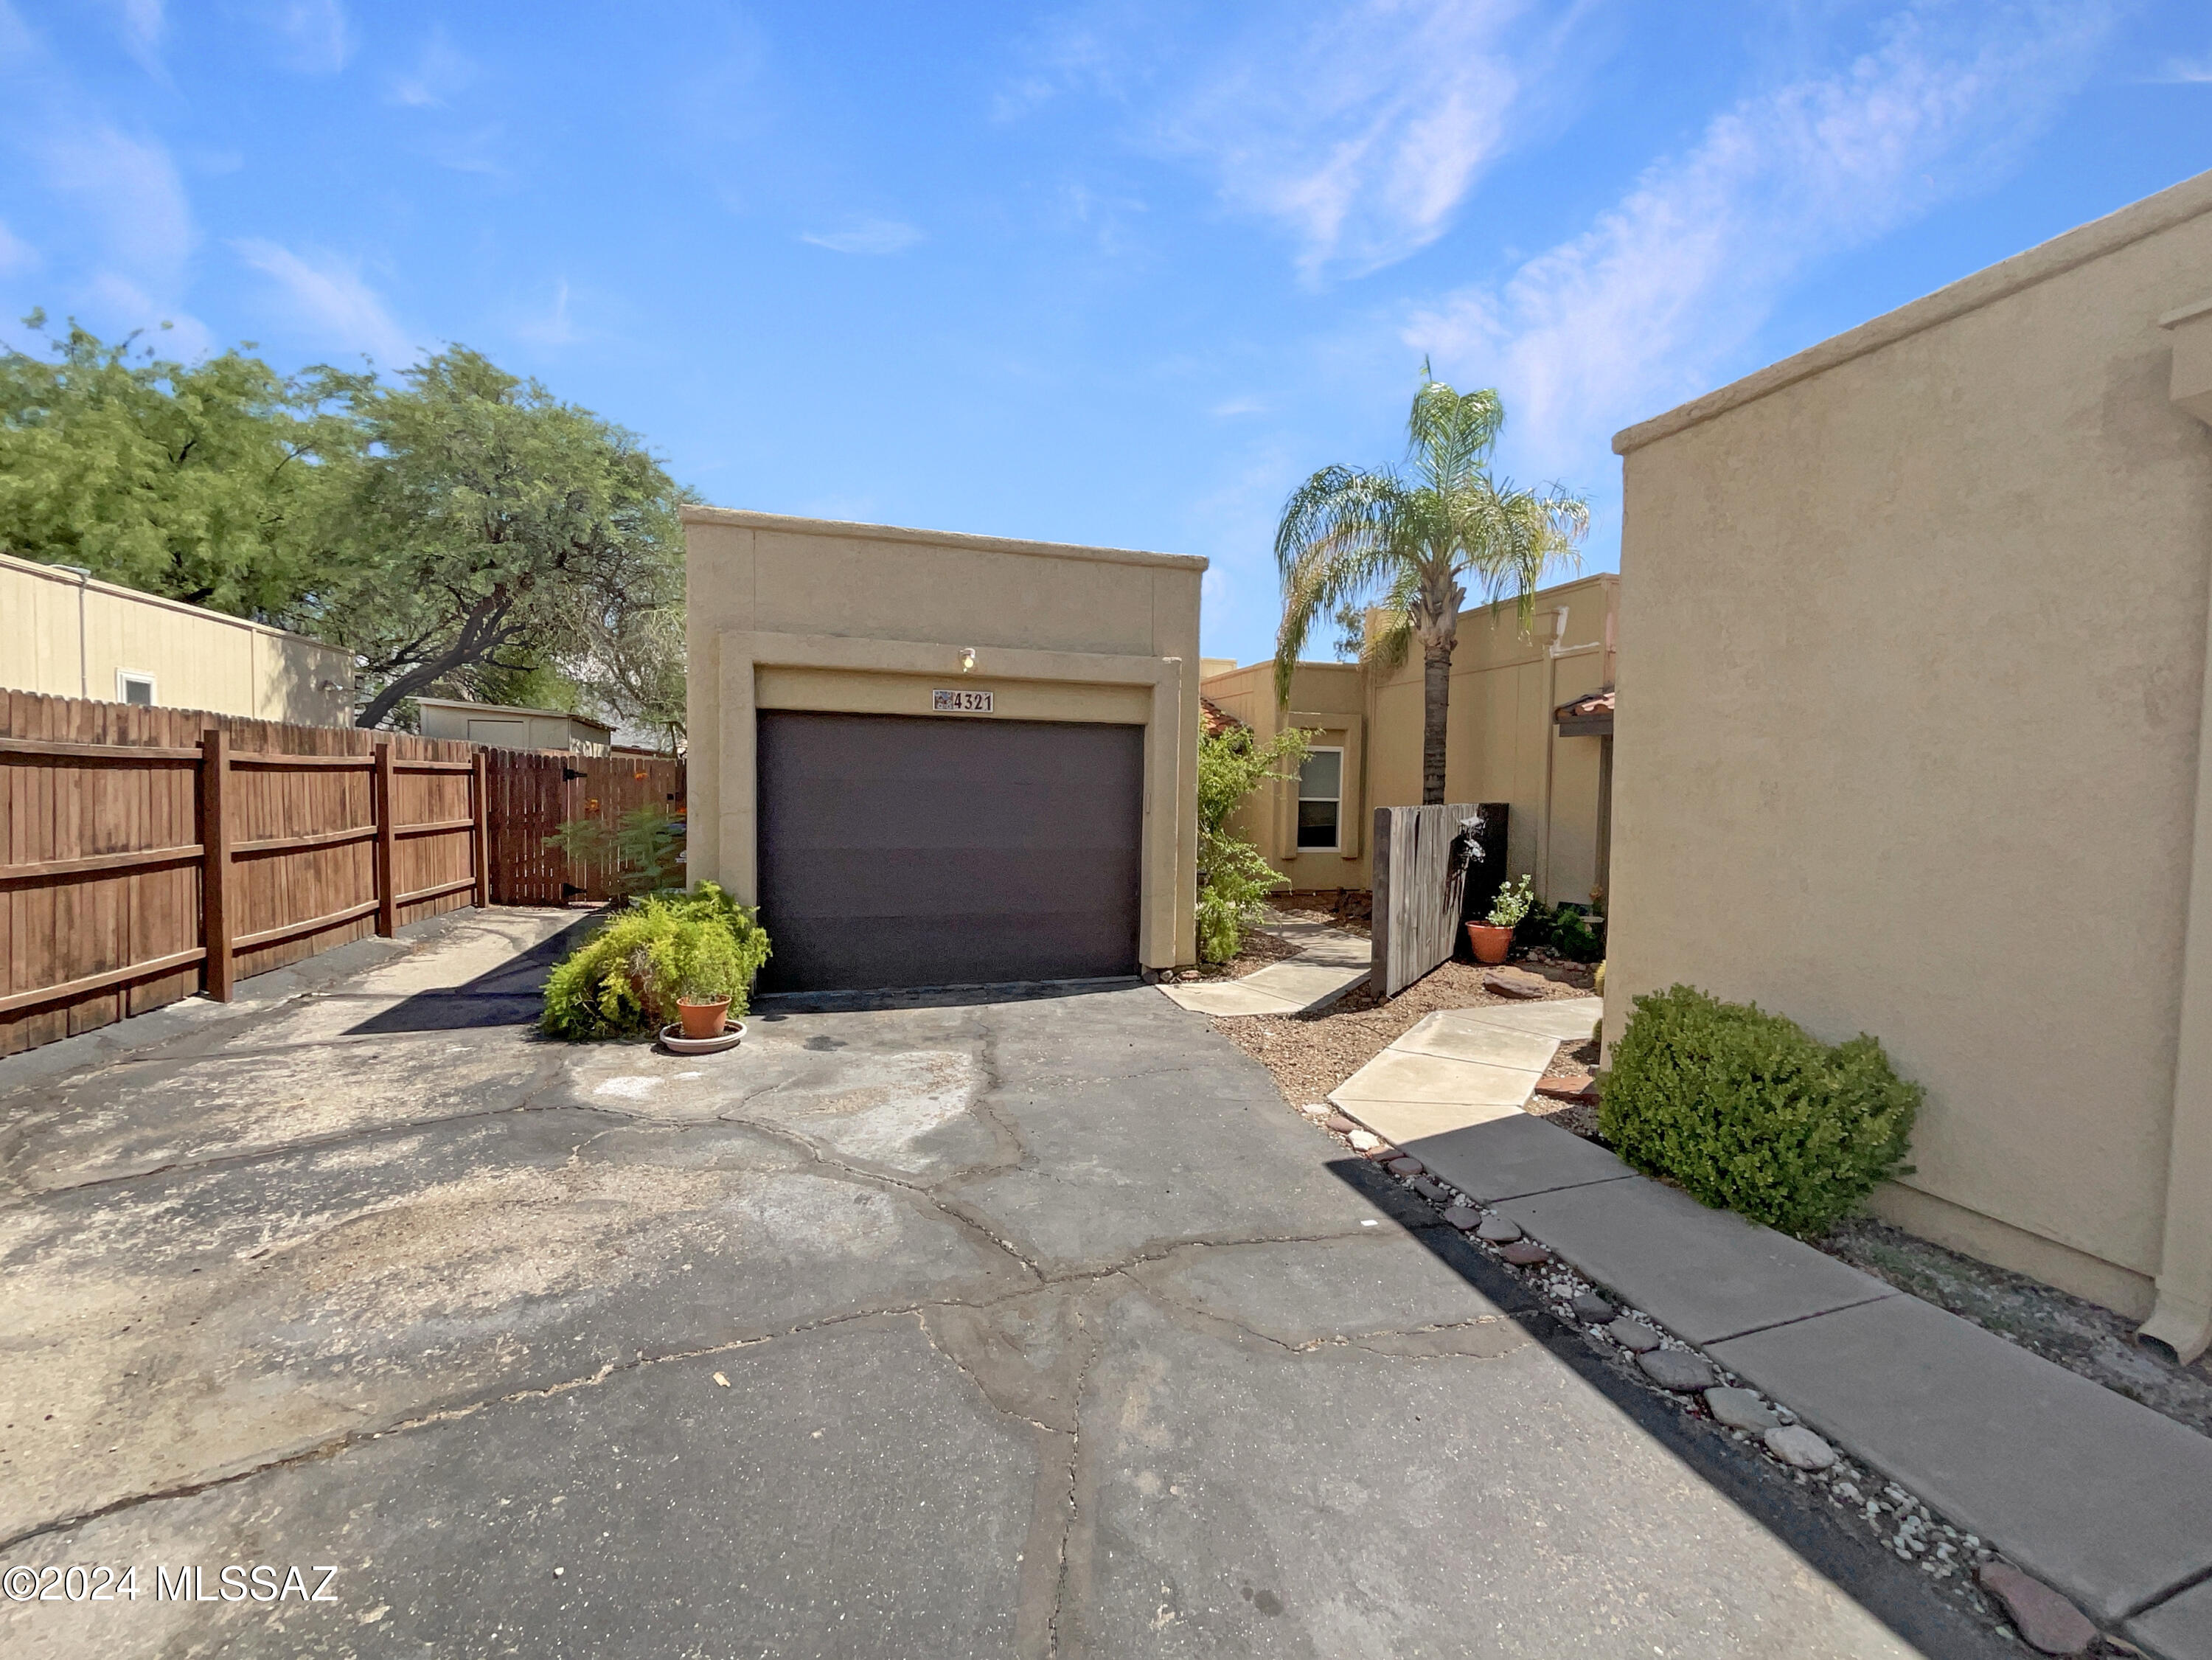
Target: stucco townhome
1913, 738
1527, 725
934, 758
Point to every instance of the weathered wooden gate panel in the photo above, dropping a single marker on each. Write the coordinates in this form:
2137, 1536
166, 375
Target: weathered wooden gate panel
1434, 867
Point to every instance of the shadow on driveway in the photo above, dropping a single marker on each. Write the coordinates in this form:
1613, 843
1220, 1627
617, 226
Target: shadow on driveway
509, 995
1895, 1593
777, 1005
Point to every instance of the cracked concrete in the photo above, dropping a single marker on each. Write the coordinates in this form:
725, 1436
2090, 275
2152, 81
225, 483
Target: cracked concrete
1036, 1327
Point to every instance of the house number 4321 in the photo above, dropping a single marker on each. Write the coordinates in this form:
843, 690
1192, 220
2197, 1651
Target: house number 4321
960, 702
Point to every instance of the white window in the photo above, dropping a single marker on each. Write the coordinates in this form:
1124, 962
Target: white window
1321, 798
132, 687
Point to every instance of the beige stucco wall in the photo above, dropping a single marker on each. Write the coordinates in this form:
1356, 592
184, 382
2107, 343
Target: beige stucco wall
1499, 741
1328, 700
804, 613
1912, 689
66, 637
503, 726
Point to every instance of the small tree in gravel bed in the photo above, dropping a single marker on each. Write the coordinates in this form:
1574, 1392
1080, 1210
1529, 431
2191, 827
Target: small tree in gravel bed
1234, 877
1752, 1115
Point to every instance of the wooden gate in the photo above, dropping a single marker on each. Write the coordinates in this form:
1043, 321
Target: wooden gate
1434, 867
530, 793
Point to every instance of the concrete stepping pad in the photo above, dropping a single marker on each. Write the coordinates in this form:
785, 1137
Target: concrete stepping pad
1446, 1035
1330, 963
1512, 1155
1569, 1019
2105, 1499
1704, 1275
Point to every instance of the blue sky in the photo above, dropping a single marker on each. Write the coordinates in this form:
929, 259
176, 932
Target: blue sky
1121, 272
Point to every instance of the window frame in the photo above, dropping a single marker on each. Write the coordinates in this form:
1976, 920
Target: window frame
125, 677
1299, 798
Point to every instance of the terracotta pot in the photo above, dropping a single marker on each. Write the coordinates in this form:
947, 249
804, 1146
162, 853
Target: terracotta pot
704, 1019
1489, 943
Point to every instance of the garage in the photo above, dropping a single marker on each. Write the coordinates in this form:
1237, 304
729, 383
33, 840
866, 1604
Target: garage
934, 758
909, 851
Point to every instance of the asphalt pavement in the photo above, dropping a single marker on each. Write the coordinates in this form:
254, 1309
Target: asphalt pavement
1016, 1323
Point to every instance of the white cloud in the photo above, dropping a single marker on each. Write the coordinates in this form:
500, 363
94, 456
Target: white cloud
15, 254
553, 326
439, 74
331, 303
316, 35
130, 190
866, 236
1661, 295
1361, 135
2184, 72
140, 22
1230, 407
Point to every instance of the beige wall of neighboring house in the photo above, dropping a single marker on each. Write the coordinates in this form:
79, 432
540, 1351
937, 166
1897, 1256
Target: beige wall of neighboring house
1500, 740
67, 636
1914, 738
805, 614
505, 727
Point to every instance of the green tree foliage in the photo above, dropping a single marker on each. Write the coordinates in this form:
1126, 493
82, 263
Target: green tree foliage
1750, 1114
1402, 541
460, 530
491, 529
1233, 877
195, 482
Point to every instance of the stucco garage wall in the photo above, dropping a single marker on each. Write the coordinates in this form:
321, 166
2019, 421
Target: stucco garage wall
1911, 676
813, 614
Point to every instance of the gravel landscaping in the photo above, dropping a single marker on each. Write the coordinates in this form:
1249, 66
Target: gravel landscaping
1310, 1054
1957, 1563
2084, 1338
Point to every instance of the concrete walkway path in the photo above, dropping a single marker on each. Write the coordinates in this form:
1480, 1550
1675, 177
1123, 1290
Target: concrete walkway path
1459, 1066
964, 1325
1330, 963
2102, 1498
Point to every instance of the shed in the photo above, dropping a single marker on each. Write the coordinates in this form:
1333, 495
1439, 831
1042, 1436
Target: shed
942, 759
505, 727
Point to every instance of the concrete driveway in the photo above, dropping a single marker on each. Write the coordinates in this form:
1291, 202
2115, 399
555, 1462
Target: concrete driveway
971, 1328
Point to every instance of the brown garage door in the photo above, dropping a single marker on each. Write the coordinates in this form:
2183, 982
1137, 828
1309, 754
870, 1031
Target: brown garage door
905, 851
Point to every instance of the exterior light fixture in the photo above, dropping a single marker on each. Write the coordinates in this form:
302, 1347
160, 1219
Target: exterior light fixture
966, 660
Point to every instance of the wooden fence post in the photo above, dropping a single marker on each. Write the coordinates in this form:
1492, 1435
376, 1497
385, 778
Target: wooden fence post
478, 843
387, 888
215, 920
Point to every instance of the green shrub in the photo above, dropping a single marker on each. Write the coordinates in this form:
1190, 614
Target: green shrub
1234, 877
1514, 904
1573, 937
639, 855
1750, 1113
623, 979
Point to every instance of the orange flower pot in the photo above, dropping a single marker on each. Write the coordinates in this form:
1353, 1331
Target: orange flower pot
1489, 943
704, 1019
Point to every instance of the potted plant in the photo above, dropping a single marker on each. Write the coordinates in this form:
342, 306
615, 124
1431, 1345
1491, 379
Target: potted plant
695, 966
1493, 939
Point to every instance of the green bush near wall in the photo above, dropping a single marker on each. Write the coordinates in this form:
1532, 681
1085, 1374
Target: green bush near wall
1752, 1115
615, 983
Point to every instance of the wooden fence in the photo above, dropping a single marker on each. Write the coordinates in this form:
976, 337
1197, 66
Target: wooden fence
147, 854
532, 793
1434, 867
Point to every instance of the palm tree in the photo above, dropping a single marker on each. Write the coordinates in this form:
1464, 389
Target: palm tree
1401, 541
